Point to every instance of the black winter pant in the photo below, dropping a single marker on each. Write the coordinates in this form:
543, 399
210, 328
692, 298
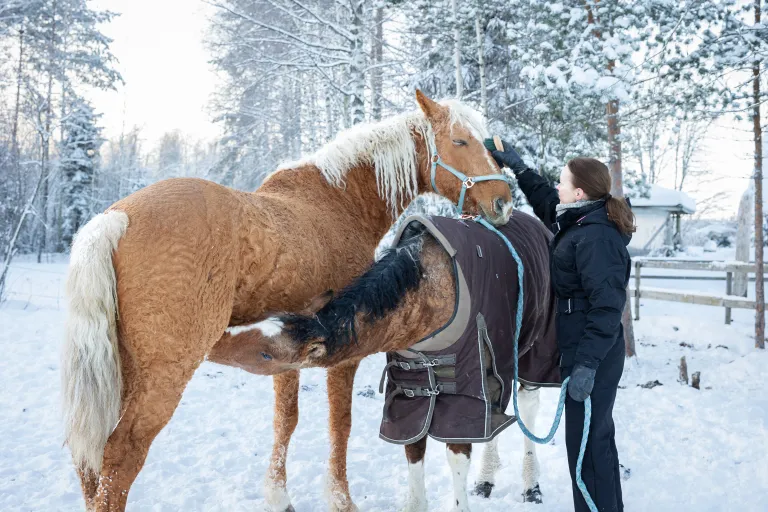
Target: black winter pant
600, 468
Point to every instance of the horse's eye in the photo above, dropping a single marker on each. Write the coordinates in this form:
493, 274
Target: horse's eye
266, 356
459, 142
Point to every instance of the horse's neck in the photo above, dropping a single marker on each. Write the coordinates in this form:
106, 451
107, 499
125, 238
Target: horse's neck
421, 312
359, 199
357, 202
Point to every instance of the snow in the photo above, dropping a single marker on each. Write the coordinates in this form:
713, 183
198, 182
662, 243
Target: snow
664, 197
584, 77
686, 449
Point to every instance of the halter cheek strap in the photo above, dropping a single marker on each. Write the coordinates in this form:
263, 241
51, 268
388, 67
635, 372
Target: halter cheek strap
467, 182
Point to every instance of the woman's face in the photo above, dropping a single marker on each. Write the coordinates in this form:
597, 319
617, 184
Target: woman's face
566, 191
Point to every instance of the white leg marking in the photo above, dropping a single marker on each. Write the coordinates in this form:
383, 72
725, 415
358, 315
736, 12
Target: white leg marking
528, 404
417, 490
460, 468
277, 496
490, 462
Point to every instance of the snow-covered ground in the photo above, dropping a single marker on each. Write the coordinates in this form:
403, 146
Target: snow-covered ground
685, 449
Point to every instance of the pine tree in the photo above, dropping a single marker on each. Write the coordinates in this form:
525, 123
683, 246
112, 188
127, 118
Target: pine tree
79, 161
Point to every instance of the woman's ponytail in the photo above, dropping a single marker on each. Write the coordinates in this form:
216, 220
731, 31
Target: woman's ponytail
621, 214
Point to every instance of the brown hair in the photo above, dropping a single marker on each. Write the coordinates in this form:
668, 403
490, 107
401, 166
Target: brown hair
592, 176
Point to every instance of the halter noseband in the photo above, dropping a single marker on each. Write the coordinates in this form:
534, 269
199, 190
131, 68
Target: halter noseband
467, 182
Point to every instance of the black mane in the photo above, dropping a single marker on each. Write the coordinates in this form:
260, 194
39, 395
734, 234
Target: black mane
375, 293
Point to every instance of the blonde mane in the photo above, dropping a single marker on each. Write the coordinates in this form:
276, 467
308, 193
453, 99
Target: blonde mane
389, 147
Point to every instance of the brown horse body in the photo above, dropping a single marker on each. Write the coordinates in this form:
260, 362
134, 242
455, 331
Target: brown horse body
156, 280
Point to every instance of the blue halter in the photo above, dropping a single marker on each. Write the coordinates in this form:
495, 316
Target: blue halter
467, 182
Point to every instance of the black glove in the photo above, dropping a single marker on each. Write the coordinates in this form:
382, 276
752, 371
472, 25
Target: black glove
581, 383
507, 158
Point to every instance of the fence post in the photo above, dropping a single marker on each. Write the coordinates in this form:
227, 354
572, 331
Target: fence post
728, 291
638, 266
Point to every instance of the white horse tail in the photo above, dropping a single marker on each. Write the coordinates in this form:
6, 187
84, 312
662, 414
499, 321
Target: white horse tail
90, 368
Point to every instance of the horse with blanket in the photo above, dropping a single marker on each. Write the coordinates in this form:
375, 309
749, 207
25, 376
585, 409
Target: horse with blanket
442, 302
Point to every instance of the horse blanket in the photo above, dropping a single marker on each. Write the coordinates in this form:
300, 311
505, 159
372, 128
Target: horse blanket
455, 384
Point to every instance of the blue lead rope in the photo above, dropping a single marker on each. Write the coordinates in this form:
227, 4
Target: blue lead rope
561, 402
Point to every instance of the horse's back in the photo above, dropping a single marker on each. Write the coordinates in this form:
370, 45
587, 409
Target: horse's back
180, 203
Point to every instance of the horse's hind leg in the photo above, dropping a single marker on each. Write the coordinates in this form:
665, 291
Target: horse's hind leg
489, 465
156, 392
528, 404
458, 459
417, 491
286, 417
89, 481
340, 382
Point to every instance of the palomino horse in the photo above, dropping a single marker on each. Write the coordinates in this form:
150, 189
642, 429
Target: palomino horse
156, 280
410, 294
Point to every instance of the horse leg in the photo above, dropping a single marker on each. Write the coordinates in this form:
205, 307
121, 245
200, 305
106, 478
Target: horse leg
417, 491
340, 381
489, 465
156, 393
286, 417
458, 459
89, 481
528, 405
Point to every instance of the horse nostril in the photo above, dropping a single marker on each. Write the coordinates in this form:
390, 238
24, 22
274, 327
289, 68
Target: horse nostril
498, 205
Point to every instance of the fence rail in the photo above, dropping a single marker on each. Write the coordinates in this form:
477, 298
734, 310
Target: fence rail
728, 301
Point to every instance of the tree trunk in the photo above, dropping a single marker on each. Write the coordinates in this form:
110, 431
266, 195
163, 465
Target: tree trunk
481, 61
297, 121
330, 120
357, 63
457, 50
617, 190
10, 250
15, 129
743, 238
313, 119
683, 371
377, 46
46, 141
15, 152
758, 136
614, 146
696, 380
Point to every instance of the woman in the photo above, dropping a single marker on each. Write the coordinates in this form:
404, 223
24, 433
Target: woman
590, 271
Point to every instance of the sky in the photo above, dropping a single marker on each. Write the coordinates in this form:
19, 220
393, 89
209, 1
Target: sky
727, 156
169, 83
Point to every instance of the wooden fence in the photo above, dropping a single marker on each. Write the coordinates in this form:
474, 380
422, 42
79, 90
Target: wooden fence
727, 300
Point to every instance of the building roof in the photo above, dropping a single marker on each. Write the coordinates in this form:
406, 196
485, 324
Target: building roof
666, 199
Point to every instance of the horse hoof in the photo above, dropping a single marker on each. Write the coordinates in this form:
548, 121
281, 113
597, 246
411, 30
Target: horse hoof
532, 495
290, 509
483, 489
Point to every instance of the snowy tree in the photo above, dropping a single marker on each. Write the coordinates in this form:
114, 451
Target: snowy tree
60, 48
170, 155
732, 57
295, 73
123, 169
78, 161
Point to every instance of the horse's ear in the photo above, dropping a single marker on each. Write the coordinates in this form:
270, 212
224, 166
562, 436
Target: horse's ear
430, 108
317, 303
315, 350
